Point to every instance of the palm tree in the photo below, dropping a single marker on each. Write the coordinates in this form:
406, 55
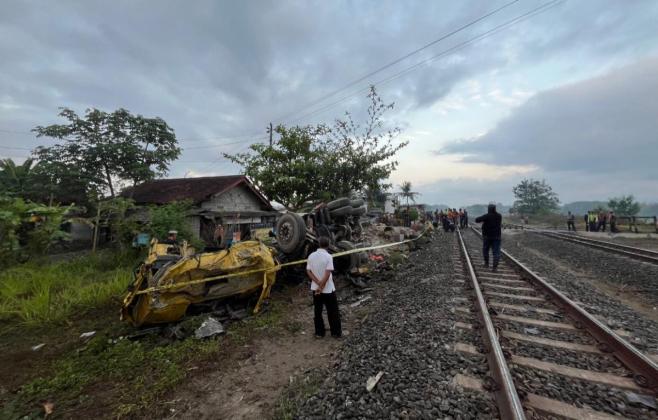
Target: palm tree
405, 191
15, 178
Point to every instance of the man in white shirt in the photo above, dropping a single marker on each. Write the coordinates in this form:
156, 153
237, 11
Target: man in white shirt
319, 266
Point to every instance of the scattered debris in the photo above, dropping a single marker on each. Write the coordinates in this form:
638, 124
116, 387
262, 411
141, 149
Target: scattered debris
209, 328
359, 302
645, 400
88, 334
38, 347
48, 408
372, 381
533, 331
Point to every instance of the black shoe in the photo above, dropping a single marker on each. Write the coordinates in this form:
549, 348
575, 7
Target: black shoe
494, 268
485, 265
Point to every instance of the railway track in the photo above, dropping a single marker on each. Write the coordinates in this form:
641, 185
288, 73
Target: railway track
636, 253
546, 355
641, 254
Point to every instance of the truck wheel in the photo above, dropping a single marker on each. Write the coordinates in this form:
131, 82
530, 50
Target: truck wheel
338, 203
358, 211
290, 232
341, 211
346, 262
357, 203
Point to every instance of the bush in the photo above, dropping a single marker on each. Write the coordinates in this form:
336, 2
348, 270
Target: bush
172, 216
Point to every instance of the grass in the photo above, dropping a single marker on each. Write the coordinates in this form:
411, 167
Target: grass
126, 378
135, 372
39, 292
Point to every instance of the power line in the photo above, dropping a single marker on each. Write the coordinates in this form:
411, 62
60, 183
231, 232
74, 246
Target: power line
483, 35
400, 59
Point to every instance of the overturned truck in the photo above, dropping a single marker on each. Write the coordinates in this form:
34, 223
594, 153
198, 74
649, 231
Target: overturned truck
339, 220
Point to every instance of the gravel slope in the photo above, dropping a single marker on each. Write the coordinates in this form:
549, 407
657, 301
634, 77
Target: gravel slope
409, 336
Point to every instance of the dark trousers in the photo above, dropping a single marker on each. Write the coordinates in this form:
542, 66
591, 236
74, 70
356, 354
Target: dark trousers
571, 226
330, 301
494, 245
603, 226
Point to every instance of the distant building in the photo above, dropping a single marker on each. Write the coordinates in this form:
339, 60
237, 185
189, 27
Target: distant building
232, 201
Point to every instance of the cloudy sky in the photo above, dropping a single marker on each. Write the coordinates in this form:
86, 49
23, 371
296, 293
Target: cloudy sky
568, 94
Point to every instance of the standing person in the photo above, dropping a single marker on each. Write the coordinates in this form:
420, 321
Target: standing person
571, 222
491, 235
586, 222
613, 222
319, 268
592, 222
603, 219
465, 218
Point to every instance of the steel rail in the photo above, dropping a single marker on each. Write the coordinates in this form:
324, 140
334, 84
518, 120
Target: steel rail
625, 250
507, 397
645, 370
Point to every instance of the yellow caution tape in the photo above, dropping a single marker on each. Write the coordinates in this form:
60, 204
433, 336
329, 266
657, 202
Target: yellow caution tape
271, 269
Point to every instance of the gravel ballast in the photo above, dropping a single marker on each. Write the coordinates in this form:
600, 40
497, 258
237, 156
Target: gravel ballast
409, 335
571, 268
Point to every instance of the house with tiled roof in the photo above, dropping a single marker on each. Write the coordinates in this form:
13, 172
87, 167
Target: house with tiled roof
232, 201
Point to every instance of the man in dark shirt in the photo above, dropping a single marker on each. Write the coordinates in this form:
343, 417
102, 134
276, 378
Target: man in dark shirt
491, 235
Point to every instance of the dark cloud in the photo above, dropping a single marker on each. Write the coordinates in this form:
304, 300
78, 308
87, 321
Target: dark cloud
214, 69
602, 126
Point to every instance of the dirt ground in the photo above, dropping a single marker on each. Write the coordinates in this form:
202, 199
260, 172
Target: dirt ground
249, 383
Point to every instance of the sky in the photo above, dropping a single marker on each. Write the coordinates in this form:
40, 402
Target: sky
568, 94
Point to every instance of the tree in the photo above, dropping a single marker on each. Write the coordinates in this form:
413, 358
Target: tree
535, 197
405, 192
321, 162
107, 149
15, 179
624, 205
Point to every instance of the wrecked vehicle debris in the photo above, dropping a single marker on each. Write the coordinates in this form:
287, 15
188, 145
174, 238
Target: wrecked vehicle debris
209, 328
339, 220
166, 266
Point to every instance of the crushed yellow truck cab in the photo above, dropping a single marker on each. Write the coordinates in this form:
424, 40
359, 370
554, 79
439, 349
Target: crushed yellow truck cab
178, 276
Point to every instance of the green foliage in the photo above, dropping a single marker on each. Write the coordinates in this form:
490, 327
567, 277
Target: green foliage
28, 229
535, 197
624, 205
34, 293
172, 216
115, 213
310, 163
15, 179
413, 215
105, 149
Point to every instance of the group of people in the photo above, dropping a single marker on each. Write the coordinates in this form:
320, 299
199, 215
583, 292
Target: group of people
450, 218
595, 221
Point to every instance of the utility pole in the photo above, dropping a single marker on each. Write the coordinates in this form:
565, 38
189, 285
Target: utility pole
269, 130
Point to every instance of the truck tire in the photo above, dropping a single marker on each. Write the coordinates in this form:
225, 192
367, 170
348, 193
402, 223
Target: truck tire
346, 262
290, 232
341, 211
358, 211
357, 203
338, 203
